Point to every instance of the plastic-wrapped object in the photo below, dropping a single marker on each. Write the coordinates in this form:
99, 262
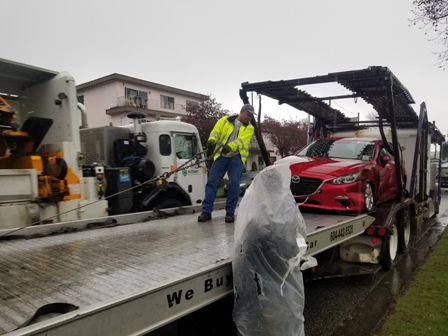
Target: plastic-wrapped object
270, 243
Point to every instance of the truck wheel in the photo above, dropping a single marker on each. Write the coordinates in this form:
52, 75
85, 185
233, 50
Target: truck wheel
369, 199
405, 232
169, 203
390, 252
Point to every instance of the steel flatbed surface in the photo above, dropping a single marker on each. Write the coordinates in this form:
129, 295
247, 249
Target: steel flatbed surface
131, 279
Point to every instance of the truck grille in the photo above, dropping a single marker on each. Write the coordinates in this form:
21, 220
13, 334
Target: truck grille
305, 187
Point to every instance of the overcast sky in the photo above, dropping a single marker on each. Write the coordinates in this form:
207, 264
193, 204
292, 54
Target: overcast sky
212, 47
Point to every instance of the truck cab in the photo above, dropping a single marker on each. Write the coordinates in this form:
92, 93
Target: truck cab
141, 151
172, 143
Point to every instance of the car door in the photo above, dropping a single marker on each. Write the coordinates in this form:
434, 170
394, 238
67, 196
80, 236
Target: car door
387, 182
193, 179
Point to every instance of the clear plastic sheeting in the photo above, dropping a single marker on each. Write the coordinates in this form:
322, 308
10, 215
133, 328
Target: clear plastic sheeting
270, 243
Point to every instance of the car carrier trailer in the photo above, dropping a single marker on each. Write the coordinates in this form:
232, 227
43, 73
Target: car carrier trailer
111, 277
406, 135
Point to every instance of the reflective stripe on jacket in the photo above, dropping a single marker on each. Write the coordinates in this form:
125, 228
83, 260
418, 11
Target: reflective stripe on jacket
222, 131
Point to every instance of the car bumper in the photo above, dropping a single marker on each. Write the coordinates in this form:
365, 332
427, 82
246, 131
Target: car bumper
342, 197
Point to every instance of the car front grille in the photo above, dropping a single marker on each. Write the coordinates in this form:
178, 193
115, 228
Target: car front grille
305, 186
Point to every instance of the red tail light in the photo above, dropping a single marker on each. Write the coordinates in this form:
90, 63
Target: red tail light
381, 232
375, 240
370, 231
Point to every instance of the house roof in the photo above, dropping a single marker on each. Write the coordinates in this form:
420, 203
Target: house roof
132, 80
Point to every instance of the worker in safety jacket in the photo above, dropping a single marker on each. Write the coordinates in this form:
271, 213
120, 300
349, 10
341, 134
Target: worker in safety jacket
230, 138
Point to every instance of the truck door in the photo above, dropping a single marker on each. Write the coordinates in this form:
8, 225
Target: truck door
193, 179
387, 184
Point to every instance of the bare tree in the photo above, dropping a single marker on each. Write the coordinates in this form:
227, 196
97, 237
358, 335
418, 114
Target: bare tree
204, 116
432, 15
287, 135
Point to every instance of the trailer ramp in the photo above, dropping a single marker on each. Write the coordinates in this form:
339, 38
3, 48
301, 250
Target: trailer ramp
131, 279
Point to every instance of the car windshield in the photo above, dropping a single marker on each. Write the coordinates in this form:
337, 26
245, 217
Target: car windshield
341, 149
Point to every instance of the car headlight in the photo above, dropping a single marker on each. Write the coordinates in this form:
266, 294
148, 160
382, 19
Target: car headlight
346, 178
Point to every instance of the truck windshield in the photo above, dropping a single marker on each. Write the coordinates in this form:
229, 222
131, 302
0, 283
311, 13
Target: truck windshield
342, 149
186, 145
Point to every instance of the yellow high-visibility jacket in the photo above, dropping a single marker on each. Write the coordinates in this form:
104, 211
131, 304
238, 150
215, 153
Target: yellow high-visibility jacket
222, 131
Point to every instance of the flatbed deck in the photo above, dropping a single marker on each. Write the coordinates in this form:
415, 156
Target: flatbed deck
131, 279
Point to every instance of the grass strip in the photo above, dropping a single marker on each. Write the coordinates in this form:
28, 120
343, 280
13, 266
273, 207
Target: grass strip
423, 309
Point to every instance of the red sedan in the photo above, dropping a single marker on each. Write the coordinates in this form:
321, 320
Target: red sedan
343, 174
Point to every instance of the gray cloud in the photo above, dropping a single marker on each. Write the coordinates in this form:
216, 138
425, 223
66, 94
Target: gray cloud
211, 47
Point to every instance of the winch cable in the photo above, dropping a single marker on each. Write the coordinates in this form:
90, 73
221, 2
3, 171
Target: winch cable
160, 181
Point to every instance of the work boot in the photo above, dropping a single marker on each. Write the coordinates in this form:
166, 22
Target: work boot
230, 218
204, 217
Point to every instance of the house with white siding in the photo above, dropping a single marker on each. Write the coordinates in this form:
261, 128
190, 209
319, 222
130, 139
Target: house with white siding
109, 99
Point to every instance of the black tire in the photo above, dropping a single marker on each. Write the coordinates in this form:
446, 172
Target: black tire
169, 203
437, 203
63, 168
391, 247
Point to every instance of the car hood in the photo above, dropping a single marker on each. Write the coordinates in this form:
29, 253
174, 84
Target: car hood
323, 167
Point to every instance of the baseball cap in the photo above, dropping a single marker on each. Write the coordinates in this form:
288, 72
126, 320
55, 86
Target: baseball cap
249, 108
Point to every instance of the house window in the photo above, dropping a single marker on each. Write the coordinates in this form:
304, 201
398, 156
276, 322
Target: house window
136, 98
167, 102
81, 99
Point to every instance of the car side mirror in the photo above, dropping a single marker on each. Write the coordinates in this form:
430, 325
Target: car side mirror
385, 159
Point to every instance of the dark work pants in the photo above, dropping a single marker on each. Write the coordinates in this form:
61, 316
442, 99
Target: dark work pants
234, 167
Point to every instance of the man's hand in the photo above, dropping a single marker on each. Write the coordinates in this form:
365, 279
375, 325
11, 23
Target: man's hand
210, 147
211, 143
226, 149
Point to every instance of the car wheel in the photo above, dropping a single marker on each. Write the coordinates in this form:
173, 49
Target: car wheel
369, 200
391, 245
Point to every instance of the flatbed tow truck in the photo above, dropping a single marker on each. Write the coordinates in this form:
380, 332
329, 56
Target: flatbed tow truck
131, 274
128, 279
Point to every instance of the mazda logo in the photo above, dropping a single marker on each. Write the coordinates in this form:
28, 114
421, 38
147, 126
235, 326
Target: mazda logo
295, 179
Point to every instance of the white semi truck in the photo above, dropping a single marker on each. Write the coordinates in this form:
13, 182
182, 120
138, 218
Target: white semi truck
138, 274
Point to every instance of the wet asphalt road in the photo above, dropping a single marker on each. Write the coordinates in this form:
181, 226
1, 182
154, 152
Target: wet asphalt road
358, 305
